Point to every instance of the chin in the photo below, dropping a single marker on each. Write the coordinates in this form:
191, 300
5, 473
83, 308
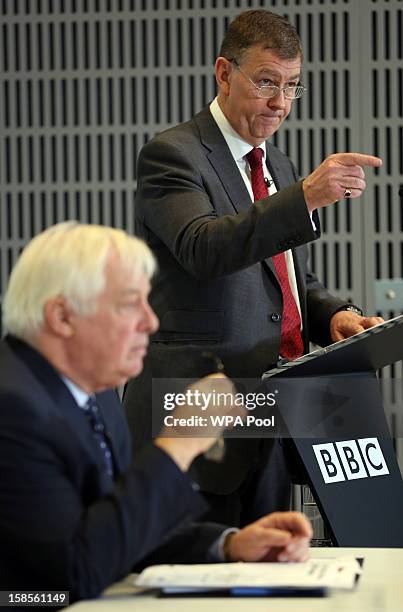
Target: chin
259, 138
269, 132
122, 377
135, 370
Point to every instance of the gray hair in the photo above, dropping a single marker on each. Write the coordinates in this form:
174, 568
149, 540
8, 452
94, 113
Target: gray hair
67, 259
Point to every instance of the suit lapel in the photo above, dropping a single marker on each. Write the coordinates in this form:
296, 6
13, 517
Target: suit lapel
276, 168
221, 160
299, 275
74, 415
277, 174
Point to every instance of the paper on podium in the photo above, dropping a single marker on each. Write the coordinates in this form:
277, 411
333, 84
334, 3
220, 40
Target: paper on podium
237, 578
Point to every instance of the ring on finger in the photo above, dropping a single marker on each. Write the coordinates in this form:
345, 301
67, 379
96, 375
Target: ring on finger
347, 193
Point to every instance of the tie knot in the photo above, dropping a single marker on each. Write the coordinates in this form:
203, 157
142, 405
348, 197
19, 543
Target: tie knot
91, 403
254, 157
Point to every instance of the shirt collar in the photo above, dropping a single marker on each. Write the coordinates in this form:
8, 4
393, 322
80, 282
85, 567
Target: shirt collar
79, 394
237, 145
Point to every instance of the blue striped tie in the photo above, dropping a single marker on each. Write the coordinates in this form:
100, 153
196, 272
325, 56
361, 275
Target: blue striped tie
98, 429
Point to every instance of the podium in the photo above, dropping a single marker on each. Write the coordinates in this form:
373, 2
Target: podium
331, 406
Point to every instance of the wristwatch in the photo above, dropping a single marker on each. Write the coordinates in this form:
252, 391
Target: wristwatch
354, 309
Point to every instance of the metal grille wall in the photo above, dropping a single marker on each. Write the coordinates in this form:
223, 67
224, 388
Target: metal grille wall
382, 221
84, 83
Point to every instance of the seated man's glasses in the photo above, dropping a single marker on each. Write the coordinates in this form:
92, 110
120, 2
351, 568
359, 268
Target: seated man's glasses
291, 92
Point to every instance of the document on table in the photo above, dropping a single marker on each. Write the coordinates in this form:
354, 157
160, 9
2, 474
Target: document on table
252, 578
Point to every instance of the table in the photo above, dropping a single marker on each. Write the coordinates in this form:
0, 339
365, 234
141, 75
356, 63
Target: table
380, 589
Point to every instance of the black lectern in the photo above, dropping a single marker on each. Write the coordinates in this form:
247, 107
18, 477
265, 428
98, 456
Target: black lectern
332, 408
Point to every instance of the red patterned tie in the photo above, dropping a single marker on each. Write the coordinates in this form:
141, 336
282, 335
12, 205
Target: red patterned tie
291, 345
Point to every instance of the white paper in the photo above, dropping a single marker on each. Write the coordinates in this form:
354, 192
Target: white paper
316, 573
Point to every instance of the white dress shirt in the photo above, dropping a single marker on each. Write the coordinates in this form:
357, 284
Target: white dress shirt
79, 394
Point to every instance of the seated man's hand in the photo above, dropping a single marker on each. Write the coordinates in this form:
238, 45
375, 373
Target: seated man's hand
345, 323
280, 536
185, 440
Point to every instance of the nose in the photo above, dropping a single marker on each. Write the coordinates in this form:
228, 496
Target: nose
277, 101
150, 322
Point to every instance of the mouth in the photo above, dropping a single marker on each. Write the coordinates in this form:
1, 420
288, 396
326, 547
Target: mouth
271, 118
140, 350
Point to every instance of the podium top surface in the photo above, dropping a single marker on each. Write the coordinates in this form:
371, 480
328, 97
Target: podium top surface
368, 350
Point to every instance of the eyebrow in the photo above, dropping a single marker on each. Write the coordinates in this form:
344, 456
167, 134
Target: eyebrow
277, 74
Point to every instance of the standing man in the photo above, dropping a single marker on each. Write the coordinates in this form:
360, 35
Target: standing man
75, 512
228, 220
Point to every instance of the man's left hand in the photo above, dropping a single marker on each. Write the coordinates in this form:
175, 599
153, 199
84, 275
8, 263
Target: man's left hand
345, 323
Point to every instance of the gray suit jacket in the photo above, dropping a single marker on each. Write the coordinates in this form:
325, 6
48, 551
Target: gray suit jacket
216, 287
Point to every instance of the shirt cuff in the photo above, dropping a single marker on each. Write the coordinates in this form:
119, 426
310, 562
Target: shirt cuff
312, 221
216, 550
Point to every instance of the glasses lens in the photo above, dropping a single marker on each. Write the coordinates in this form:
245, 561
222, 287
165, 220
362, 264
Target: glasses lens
294, 92
270, 91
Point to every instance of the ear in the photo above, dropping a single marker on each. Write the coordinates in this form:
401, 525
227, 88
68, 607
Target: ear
223, 69
57, 316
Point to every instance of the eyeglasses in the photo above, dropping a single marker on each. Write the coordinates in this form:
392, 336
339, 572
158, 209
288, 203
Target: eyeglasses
291, 92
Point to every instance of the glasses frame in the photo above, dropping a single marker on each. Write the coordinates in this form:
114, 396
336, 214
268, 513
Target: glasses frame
266, 88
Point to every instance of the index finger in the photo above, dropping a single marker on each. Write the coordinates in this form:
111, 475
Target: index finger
368, 322
295, 522
358, 159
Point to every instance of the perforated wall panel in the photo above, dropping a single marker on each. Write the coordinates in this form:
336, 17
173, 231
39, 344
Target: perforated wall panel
84, 83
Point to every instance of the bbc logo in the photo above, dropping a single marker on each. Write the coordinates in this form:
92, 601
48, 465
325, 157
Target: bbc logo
350, 459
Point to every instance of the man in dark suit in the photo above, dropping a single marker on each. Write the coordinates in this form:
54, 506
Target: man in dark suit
233, 276
76, 513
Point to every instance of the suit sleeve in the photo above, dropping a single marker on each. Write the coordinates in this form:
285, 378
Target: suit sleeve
184, 546
174, 206
320, 304
58, 531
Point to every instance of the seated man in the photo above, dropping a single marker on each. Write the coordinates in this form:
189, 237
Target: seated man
76, 513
